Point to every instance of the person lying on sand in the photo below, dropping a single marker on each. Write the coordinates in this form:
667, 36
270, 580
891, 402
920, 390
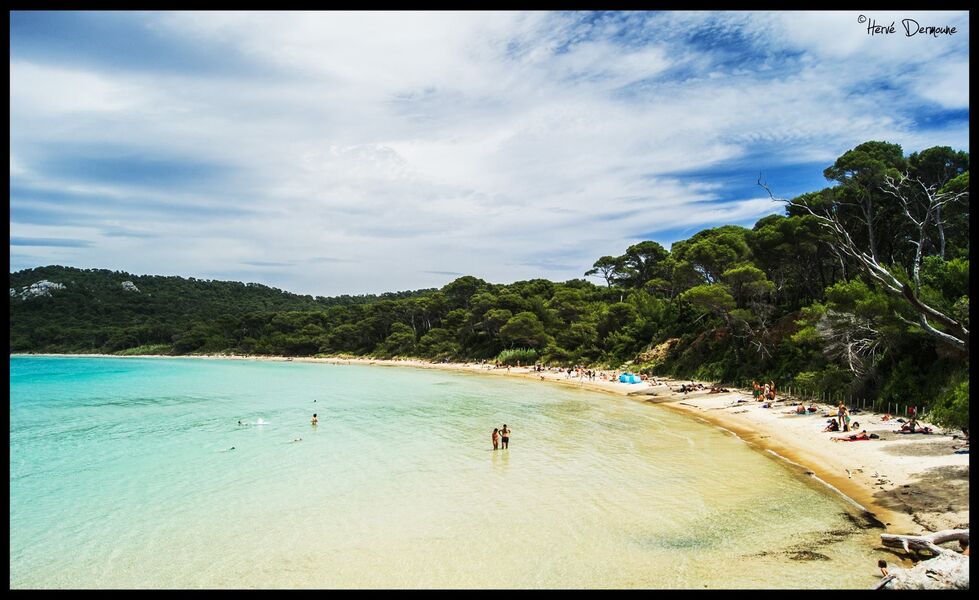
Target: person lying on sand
857, 437
908, 428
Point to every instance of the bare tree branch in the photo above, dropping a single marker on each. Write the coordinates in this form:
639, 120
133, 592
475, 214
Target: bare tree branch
957, 335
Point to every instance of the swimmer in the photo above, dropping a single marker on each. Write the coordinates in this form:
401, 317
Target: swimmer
298, 439
315, 420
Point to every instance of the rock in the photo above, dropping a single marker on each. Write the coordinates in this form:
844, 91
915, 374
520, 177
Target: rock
129, 286
948, 571
36, 290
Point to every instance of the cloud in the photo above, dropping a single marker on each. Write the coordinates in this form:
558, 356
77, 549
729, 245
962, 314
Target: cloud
368, 152
51, 242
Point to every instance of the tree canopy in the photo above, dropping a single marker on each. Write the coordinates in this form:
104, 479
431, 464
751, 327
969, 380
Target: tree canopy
861, 288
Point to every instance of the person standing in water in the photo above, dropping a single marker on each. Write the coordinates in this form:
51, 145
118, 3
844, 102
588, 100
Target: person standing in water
496, 439
315, 420
505, 433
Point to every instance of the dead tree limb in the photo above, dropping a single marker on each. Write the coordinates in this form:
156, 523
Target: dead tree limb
925, 542
957, 335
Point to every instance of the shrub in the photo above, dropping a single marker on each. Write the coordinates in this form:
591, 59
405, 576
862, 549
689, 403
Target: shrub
525, 356
952, 409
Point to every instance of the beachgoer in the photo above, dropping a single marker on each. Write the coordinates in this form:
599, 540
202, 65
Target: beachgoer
756, 390
505, 434
239, 422
298, 439
833, 426
315, 420
886, 417
882, 565
853, 438
840, 412
496, 439
801, 409
771, 391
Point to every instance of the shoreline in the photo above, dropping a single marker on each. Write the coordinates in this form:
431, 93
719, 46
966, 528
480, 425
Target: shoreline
903, 480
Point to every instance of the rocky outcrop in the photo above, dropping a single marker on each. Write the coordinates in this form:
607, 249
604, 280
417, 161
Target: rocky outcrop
36, 290
948, 571
129, 286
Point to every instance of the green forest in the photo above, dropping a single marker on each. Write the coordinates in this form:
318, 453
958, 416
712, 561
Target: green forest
859, 289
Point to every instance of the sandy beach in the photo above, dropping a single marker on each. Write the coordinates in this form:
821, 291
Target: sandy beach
913, 483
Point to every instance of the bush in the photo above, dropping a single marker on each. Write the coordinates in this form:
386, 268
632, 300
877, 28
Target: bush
952, 409
525, 356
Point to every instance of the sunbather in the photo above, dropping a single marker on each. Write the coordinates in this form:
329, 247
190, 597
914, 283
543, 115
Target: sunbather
857, 437
907, 428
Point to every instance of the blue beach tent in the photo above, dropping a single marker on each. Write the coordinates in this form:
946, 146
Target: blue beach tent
629, 378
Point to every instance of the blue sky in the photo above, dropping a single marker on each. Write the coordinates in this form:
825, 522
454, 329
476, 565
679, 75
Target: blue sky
344, 153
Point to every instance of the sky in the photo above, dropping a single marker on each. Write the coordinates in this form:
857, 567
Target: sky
337, 153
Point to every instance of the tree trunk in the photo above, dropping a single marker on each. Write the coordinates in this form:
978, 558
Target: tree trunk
925, 542
941, 232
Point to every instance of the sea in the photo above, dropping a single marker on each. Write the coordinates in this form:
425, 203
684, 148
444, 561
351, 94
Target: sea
207, 473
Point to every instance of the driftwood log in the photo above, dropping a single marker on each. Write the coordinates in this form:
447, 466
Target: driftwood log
925, 542
947, 570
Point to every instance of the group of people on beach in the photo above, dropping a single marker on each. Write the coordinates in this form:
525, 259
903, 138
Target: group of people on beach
766, 392
501, 435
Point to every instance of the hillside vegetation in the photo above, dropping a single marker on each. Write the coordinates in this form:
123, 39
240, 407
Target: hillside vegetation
859, 289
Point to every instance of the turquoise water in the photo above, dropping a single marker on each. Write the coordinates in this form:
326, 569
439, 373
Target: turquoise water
122, 475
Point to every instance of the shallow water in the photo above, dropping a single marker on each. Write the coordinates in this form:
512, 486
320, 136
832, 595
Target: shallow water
122, 475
